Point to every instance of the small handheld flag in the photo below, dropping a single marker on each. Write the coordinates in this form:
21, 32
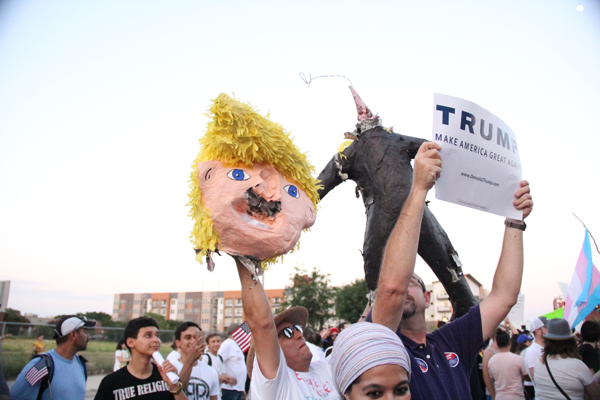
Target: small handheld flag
242, 336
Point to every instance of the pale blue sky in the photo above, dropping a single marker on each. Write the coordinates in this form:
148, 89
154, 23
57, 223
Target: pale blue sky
101, 107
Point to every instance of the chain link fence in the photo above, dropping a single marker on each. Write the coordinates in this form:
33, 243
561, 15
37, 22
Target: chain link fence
16, 349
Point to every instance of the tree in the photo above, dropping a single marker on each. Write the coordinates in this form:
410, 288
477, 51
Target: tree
311, 292
11, 315
102, 318
163, 323
351, 301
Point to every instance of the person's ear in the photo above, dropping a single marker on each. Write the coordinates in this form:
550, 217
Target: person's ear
427, 296
129, 342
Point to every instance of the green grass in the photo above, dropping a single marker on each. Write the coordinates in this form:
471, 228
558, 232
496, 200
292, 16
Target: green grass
16, 353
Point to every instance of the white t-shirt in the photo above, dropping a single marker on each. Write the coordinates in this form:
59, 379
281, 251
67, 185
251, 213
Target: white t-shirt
204, 381
122, 354
571, 375
533, 354
316, 384
173, 356
234, 363
216, 363
317, 352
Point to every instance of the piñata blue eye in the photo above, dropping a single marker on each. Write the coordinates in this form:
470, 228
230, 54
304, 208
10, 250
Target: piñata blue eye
238, 175
292, 191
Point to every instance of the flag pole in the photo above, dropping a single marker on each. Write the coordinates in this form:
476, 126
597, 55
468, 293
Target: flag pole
595, 244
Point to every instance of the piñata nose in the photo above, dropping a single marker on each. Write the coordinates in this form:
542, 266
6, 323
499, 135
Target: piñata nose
269, 189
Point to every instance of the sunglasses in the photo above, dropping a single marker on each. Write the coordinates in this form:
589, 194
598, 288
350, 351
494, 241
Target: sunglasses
289, 331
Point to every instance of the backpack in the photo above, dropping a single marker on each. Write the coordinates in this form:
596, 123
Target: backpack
47, 380
210, 359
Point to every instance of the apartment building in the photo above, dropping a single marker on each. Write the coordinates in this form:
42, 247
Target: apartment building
212, 310
440, 308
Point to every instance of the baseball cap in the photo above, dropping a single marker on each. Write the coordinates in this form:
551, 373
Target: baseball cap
537, 323
523, 338
70, 323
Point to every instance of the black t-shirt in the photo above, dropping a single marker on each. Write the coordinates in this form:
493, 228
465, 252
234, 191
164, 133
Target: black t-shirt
590, 356
122, 385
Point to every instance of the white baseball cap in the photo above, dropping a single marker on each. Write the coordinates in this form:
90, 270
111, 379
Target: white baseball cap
537, 323
70, 323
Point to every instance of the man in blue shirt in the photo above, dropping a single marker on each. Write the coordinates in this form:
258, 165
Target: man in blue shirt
441, 362
68, 381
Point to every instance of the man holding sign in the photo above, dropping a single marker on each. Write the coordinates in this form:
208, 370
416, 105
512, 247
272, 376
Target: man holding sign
442, 361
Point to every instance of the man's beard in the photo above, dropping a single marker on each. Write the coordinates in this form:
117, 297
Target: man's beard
410, 312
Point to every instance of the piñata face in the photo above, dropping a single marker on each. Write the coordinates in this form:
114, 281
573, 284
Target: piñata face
256, 210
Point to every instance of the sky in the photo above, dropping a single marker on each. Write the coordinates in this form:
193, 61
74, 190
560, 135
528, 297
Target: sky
102, 105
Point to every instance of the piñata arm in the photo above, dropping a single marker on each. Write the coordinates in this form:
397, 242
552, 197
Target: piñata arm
415, 143
337, 170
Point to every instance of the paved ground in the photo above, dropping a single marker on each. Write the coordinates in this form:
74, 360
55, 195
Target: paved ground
90, 388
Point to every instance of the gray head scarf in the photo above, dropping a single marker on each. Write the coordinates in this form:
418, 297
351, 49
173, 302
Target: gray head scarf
363, 346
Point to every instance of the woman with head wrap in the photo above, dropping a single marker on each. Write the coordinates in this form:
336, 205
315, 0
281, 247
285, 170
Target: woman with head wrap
369, 361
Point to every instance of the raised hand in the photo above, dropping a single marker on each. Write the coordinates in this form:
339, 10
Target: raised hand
428, 166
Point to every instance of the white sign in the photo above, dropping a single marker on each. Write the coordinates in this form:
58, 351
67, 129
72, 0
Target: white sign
481, 167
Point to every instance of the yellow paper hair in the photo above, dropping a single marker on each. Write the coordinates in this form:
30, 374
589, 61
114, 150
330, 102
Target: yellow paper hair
236, 135
345, 144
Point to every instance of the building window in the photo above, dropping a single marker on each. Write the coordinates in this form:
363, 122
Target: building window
228, 302
220, 301
221, 311
206, 311
238, 320
228, 312
155, 303
238, 312
276, 300
172, 312
188, 300
173, 302
238, 302
163, 312
227, 321
220, 321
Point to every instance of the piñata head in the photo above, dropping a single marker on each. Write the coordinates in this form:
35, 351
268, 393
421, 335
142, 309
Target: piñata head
252, 190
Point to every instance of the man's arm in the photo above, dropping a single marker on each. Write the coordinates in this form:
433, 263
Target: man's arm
188, 358
487, 379
401, 250
511, 327
507, 280
260, 320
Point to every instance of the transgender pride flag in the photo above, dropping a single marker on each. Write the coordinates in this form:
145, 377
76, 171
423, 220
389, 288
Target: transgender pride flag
584, 292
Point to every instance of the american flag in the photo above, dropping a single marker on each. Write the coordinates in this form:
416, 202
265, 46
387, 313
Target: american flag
242, 336
37, 372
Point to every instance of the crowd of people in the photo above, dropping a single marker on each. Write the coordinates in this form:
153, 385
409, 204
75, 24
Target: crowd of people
542, 361
388, 356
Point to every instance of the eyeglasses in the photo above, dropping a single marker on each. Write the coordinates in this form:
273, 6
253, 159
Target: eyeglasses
288, 331
417, 282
